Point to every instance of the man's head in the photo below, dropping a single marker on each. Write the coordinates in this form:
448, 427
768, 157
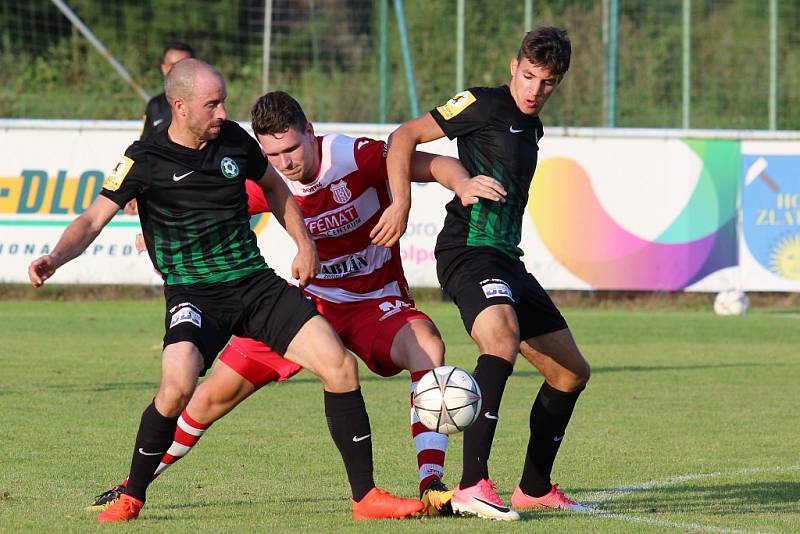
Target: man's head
196, 93
286, 136
174, 52
541, 63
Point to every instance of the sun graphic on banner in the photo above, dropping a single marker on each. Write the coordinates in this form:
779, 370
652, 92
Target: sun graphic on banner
785, 258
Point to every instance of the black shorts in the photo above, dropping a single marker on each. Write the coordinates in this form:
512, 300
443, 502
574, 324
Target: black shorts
261, 306
479, 277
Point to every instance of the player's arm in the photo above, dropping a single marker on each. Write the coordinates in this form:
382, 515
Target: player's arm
75, 239
402, 144
282, 204
449, 172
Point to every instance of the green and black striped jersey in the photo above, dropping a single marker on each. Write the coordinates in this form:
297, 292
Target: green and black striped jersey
193, 205
496, 139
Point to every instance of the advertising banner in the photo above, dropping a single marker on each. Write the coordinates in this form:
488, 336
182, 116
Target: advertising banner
608, 209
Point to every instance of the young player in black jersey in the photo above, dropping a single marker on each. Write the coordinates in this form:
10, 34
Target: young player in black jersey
503, 307
189, 182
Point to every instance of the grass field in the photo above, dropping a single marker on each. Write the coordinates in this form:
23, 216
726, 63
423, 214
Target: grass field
690, 423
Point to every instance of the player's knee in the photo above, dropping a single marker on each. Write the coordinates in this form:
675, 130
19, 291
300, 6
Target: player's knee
500, 341
340, 374
171, 400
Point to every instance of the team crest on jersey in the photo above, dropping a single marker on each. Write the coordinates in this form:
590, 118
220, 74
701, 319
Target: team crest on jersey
114, 180
229, 168
456, 105
340, 192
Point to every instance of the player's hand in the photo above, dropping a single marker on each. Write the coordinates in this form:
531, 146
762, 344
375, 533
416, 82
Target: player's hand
139, 243
391, 226
478, 187
305, 265
40, 270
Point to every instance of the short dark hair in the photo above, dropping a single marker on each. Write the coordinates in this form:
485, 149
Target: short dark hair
548, 47
276, 112
178, 45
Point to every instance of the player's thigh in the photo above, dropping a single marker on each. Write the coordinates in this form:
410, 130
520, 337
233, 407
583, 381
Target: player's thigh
558, 358
417, 345
273, 311
219, 394
256, 362
318, 348
481, 283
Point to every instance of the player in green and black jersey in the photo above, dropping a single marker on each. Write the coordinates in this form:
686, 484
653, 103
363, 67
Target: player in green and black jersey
503, 307
189, 183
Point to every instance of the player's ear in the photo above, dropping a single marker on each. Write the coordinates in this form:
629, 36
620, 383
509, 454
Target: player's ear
513, 66
309, 129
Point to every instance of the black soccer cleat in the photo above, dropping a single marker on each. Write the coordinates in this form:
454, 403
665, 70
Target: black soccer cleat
106, 499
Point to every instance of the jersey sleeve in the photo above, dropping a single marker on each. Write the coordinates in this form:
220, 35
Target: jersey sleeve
464, 113
370, 156
128, 179
256, 201
256, 162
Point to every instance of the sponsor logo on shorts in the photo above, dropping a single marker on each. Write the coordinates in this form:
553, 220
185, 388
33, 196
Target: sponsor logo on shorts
390, 308
185, 312
342, 267
494, 287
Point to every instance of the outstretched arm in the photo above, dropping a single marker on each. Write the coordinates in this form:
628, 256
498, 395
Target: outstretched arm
75, 239
282, 204
449, 172
402, 144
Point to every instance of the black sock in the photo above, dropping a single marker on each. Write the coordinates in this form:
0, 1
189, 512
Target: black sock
491, 373
550, 415
348, 423
154, 438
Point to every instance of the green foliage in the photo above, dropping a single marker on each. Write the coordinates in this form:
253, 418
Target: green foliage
673, 394
326, 53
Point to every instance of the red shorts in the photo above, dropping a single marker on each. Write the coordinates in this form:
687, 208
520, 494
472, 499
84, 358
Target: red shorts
367, 328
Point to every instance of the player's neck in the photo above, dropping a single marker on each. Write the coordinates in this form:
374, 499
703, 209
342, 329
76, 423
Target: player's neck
184, 137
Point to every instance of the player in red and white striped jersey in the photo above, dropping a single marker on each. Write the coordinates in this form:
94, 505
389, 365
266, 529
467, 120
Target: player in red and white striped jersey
340, 185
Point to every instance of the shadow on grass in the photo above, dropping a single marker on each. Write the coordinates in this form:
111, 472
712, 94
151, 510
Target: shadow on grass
762, 497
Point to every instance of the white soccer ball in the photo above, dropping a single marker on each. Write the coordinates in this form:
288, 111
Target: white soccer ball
447, 399
733, 302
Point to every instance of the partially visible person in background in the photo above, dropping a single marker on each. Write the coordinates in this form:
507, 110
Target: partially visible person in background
157, 115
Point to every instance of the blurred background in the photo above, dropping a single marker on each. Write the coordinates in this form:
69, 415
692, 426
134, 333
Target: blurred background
710, 64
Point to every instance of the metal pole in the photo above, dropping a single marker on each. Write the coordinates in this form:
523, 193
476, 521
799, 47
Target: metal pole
605, 49
687, 62
612, 63
266, 48
773, 65
528, 15
460, 46
95, 42
383, 65
401, 27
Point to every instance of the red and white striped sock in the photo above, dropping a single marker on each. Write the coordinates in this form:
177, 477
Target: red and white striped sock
431, 446
187, 433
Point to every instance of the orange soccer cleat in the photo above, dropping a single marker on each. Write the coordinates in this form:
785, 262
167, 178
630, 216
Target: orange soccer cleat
380, 504
125, 509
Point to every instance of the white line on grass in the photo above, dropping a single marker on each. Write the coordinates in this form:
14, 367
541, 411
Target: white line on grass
598, 498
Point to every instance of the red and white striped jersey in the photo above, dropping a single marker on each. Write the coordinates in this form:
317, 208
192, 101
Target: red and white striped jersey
340, 207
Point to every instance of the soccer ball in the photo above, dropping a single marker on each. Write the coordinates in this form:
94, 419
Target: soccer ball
733, 302
447, 399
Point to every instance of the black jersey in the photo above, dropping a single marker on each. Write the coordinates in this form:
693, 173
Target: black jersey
157, 115
193, 205
496, 139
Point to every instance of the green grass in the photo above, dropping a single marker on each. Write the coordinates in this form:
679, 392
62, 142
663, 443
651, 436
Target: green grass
704, 407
